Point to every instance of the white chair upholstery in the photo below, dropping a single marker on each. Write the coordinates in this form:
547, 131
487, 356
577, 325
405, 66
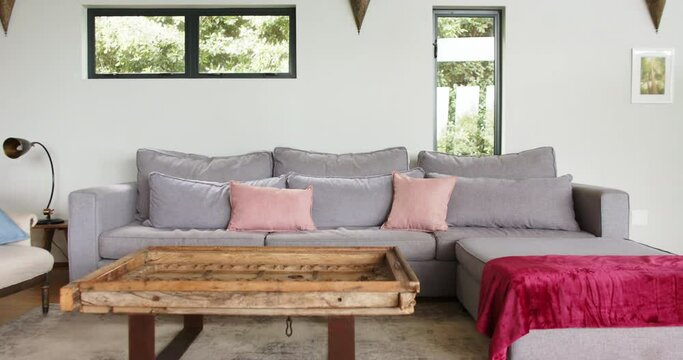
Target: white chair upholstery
20, 261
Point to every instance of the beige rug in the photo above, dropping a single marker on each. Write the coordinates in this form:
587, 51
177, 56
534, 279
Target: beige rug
438, 330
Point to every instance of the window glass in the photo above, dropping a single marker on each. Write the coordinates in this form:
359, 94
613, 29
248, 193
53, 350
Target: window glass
466, 93
140, 44
192, 43
244, 44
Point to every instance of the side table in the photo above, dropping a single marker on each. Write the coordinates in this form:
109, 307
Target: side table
49, 235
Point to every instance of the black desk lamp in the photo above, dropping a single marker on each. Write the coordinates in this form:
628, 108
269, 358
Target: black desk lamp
14, 148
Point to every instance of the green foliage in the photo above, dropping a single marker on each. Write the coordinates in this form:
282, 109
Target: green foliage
471, 134
468, 137
156, 44
244, 44
459, 27
140, 44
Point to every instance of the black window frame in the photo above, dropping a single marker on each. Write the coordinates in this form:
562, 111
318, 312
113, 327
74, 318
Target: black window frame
498, 16
192, 16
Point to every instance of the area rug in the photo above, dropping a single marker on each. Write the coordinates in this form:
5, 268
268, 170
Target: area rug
437, 330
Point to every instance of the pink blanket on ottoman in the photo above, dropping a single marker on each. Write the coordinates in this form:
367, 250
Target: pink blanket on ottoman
522, 293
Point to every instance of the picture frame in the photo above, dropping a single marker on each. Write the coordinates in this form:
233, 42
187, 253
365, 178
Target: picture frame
652, 76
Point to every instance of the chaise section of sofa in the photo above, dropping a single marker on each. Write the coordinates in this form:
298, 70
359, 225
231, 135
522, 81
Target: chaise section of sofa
447, 240
473, 253
610, 343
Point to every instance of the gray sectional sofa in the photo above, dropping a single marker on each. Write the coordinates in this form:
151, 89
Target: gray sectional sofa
109, 222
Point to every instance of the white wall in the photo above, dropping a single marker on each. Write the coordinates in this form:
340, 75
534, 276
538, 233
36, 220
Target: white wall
567, 80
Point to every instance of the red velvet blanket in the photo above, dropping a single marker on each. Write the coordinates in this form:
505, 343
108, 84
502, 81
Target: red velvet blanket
522, 293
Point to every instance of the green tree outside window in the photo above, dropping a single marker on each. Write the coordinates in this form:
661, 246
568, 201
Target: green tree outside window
472, 134
156, 44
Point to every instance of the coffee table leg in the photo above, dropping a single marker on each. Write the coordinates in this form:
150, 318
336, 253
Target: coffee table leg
141, 337
341, 338
177, 347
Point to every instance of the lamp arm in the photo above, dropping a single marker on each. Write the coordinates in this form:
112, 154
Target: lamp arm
52, 169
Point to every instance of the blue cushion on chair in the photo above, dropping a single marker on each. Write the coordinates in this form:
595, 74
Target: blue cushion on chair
9, 231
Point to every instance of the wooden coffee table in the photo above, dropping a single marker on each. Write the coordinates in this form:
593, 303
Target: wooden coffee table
338, 283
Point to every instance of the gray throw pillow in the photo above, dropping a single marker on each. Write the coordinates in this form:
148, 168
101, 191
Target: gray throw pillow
177, 203
349, 201
536, 163
540, 203
257, 165
381, 162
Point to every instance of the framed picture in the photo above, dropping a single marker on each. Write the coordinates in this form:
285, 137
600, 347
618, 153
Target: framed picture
653, 76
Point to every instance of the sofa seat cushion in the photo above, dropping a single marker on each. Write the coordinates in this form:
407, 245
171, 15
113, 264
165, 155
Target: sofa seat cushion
473, 253
415, 246
22, 263
117, 243
445, 241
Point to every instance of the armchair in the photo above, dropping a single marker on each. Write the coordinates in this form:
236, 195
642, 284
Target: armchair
23, 266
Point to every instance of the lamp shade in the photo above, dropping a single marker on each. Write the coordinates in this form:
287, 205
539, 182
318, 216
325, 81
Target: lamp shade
15, 147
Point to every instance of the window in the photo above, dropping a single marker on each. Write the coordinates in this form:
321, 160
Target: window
467, 50
192, 43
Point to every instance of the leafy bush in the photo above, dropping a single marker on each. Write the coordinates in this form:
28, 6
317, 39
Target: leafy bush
140, 44
156, 44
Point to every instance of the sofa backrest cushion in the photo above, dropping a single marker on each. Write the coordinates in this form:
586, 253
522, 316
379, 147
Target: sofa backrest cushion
349, 201
381, 162
539, 203
535, 163
253, 166
176, 203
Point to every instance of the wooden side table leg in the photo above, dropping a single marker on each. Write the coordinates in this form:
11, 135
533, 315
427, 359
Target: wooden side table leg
141, 337
66, 241
341, 338
49, 237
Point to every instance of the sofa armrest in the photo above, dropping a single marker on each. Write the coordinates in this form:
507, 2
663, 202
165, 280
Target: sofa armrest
601, 211
92, 212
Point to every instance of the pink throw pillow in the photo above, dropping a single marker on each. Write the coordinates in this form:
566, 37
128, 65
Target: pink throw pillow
269, 209
420, 204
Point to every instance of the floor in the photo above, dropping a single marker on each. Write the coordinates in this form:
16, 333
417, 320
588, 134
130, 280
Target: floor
16, 305
441, 329
438, 330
